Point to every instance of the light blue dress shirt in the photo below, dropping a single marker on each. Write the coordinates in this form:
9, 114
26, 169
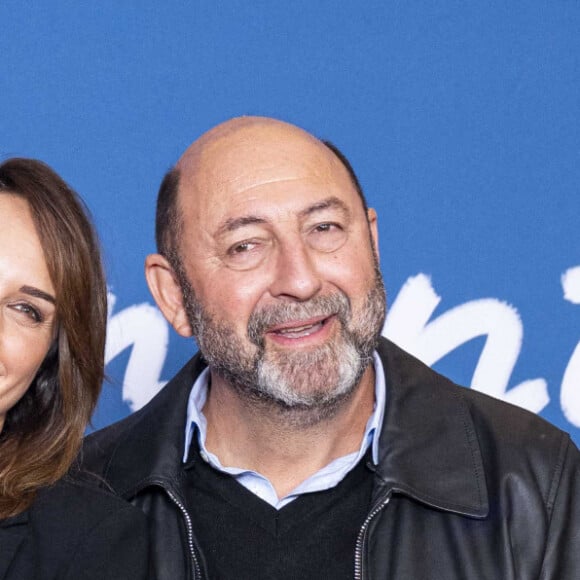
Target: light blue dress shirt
326, 478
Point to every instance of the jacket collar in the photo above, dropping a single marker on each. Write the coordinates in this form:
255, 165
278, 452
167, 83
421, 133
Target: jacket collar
428, 446
149, 450
12, 533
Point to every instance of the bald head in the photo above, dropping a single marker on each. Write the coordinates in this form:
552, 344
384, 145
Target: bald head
235, 153
222, 143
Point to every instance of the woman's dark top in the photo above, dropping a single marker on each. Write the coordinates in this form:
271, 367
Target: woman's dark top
74, 531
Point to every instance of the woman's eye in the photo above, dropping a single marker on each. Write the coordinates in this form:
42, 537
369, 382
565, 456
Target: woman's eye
30, 311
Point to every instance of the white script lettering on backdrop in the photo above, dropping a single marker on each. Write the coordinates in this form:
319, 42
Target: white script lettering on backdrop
408, 323
143, 328
570, 392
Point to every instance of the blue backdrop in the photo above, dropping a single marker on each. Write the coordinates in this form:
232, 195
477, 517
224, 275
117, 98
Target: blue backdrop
462, 120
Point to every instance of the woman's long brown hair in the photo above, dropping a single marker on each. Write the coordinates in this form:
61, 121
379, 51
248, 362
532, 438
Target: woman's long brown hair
43, 432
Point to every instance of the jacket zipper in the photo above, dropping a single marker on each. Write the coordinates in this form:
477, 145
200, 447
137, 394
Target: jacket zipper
358, 553
189, 526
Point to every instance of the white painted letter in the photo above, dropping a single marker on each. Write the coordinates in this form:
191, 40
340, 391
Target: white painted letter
143, 327
570, 392
408, 325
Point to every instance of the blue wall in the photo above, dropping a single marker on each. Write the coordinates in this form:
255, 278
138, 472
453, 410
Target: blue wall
462, 120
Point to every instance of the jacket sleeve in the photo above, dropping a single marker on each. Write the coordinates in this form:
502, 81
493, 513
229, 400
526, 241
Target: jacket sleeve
562, 556
117, 548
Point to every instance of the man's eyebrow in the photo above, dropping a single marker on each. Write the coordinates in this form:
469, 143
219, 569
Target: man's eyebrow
332, 202
232, 224
32, 291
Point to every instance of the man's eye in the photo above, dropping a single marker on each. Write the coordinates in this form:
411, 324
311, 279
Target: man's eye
30, 311
327, 236
246, 255
241, 248
328, 227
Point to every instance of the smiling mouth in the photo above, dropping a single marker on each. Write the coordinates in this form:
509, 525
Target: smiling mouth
303, 330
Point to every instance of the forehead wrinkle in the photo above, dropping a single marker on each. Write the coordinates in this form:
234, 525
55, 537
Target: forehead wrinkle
331, 202
259, 175
244, 196
215, 165
232, 224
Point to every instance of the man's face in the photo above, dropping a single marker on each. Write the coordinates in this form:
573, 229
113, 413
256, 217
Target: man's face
278, 270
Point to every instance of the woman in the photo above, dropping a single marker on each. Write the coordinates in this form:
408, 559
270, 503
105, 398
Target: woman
53, 317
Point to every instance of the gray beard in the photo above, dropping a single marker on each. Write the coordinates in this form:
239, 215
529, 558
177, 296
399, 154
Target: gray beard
305, 386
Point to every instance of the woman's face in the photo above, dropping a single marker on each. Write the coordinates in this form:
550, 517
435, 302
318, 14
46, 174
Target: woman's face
27, 302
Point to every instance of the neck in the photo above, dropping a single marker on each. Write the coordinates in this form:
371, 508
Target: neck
282, 445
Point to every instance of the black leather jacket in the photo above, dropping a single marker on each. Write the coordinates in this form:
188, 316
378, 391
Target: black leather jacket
467, 487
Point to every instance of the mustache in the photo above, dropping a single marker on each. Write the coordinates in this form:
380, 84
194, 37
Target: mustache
261, 320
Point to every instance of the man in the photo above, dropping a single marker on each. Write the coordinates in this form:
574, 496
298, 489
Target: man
298, 443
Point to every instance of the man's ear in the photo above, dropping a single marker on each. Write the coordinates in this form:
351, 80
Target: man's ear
373, 226
166, 291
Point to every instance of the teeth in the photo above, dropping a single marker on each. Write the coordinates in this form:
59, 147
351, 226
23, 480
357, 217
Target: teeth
295, 329
300, 331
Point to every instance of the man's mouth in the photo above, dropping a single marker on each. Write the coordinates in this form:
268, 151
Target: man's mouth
301, 329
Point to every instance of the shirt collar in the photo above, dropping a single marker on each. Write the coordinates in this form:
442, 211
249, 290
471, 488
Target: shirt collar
196, 421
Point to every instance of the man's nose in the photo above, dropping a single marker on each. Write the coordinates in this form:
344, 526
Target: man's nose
296, 274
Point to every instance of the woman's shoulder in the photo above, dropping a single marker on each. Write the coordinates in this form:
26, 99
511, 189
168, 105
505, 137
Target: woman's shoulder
83, 531
79, 501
